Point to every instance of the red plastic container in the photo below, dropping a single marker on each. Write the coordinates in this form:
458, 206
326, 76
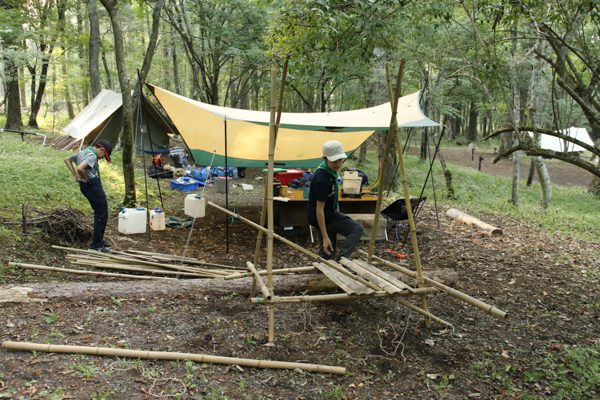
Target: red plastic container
287, 177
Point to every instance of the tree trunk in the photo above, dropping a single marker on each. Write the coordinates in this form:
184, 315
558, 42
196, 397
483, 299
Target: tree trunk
536, 109
472, 126
82, 52
515, 117
70, 110
37, 103
127, 134
23, 88
175, 63
595, 183
152, 43
94, 48
106, 69
13, 101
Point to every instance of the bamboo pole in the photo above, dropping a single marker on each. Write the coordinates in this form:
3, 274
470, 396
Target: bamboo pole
187, 260
126, 259
411, 221
164, 355
80, 272
263, 288
274, 272
388, 146
300, 248
270, 219
339, 296
124, 267
101, 260
452, 292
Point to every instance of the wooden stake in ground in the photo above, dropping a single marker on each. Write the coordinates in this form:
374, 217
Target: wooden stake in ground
460, 216
163, 355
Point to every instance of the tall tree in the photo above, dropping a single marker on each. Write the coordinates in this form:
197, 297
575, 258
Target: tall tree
112, 7
12, 56
94, 48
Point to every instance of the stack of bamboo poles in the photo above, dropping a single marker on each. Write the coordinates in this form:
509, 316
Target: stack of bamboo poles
140, 264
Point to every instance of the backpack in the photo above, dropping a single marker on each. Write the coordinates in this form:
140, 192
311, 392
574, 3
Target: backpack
158, 161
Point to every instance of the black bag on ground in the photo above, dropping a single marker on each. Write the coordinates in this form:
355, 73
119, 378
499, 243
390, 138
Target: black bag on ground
162, 174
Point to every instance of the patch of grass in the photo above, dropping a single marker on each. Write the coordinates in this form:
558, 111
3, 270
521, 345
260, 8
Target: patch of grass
29, 164
575, 373
572, 211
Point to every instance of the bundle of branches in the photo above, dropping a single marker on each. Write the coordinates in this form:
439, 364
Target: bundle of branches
67, 224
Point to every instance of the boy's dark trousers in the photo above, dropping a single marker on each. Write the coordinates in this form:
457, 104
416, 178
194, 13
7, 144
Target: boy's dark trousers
93, 191
345, 226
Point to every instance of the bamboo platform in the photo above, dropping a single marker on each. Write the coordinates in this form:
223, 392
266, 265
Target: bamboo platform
384, 281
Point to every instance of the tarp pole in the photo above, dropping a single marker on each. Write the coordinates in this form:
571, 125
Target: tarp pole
270, 222
139, 124
226, 190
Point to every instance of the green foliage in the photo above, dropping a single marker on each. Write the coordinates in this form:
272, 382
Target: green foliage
575, 373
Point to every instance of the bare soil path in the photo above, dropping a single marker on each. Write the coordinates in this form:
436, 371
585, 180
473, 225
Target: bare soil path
547, 283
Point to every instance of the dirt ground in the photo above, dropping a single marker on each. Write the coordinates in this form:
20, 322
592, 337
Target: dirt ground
561, 173
548, 285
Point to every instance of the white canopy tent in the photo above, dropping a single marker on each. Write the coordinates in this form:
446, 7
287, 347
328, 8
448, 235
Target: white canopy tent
557, 144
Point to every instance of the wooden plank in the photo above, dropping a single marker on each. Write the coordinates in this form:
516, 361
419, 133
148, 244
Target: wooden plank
371, 277
390, 278
346, 283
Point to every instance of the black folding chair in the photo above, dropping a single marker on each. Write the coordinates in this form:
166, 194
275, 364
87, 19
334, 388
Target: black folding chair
397, 216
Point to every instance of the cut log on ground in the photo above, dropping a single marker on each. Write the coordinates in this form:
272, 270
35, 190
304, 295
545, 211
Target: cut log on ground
469, 220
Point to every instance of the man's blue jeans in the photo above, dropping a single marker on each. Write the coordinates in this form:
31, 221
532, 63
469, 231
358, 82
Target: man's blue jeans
93, 191
345, 226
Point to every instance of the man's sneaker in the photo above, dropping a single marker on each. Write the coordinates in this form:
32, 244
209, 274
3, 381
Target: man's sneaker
100, 249
105, 244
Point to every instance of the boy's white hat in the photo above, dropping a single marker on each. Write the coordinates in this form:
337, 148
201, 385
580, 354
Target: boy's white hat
333, 150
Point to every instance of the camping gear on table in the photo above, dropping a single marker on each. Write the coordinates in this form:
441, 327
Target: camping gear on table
132, 220
276, 187
157, 219
351, 184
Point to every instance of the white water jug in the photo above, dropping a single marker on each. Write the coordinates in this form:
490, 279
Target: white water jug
132, 220
195, 206
157, 220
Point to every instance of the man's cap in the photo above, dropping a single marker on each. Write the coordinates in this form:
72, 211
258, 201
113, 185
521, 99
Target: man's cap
107, 147
333, 150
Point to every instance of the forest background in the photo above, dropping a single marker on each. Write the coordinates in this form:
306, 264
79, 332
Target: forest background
506, 68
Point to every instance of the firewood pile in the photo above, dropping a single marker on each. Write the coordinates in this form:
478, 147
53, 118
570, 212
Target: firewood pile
66, 224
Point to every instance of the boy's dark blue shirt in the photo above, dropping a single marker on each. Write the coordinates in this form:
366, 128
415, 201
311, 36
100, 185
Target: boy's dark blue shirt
322, 188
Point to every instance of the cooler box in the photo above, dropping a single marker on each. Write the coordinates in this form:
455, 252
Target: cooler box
288, 176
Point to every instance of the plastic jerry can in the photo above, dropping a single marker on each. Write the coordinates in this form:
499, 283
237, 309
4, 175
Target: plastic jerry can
132, 220
157, 220
195, 206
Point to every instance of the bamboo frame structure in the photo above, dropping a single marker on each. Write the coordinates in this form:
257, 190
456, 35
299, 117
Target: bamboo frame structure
364, 273
452, 292
164, 355
263, 288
